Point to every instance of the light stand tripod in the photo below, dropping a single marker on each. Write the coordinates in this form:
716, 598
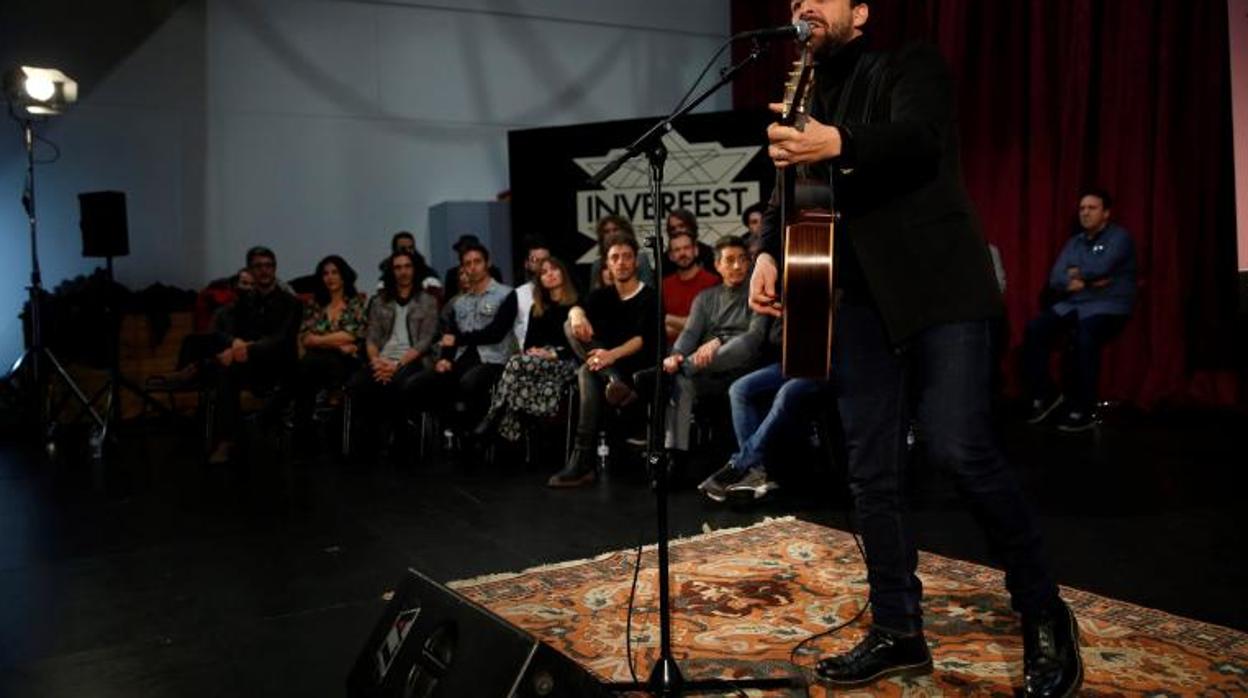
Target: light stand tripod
40, 378
665, 678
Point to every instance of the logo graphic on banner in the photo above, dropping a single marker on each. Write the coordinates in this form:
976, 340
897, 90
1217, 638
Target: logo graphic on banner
700, 177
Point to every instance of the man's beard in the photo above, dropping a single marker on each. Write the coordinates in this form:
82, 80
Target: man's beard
688, 264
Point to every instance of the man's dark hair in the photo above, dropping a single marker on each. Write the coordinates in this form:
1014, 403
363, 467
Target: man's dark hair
1106, 200
401, 235
320, 293
622, 239
759, 207
534, 242
729, 241
473, 247
260, 251
693, 240
687, 217
389, 285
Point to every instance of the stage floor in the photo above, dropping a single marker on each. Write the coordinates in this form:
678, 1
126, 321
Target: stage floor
164, 577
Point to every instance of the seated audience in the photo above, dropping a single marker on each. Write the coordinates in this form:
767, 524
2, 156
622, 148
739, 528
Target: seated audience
607, 228
712, 350
334, 326
425, 276
258, 333
476, 342
614, 332
753, 220
402, 326
684, 283
452, 274
218, 294
536, 254
682, 222
1093, 281
533, 381
765, 407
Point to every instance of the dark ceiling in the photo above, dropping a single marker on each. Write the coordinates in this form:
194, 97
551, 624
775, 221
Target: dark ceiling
83, 38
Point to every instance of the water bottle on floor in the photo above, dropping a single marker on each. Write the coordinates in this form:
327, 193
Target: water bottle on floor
604, 450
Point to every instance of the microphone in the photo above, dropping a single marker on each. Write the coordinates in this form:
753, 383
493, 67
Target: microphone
799, 31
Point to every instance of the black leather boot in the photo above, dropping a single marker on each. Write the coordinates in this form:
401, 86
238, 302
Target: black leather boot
1052, 667
579, 471
880, 655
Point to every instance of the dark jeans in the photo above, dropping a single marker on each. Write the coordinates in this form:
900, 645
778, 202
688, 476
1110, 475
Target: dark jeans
261, 373
1090, 335
463, 392
317, 370
374, 404
947, 370
764, 405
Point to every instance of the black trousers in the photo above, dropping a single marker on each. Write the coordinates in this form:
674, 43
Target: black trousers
946, 370
463, 393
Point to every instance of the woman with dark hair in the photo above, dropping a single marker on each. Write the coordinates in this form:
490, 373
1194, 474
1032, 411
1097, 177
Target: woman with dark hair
334, 324
534, 380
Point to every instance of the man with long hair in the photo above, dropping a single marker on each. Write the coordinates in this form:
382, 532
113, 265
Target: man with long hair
402, 323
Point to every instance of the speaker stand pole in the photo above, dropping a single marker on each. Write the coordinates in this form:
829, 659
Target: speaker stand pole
665, 678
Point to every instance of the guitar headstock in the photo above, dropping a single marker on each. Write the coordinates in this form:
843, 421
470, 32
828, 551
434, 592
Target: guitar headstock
798, 89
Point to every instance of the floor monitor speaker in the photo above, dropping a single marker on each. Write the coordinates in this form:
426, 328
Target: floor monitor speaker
432, 643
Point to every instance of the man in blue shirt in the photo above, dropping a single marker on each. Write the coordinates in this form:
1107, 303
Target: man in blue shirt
1093, 282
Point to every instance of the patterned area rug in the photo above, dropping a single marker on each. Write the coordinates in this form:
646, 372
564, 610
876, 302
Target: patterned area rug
743, 598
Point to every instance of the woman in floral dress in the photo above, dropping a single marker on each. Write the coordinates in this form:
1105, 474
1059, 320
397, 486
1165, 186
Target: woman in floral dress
334, 325
533, 381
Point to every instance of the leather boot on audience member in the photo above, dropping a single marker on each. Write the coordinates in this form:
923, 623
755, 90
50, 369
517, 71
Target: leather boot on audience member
579, 471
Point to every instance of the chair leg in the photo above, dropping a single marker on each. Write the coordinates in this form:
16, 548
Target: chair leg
346, 425
210, 409
574, 404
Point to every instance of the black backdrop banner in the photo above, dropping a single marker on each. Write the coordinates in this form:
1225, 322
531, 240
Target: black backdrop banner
717, 167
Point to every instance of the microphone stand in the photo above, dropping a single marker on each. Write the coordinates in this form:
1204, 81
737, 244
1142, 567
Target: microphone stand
665, 678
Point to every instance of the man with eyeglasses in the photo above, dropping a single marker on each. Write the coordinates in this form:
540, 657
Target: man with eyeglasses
1092, 290
259, 333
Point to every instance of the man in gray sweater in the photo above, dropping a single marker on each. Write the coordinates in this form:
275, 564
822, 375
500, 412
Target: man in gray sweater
712, 350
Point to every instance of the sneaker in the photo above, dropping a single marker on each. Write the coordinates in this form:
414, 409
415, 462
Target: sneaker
1041, 409
716, 486
754, 482
1075, 422
619, 394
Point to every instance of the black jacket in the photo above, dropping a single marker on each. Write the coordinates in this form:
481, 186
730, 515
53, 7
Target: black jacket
912, 233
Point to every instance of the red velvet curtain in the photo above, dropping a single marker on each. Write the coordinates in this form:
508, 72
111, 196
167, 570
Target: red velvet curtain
1131, 95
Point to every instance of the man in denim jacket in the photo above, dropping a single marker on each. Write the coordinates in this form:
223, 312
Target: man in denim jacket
476, 342
1093, 282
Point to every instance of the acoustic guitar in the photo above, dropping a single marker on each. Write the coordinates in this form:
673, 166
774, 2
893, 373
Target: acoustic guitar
808, 300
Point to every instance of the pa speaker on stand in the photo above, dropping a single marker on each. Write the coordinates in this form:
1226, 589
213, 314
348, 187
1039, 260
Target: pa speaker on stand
106, 233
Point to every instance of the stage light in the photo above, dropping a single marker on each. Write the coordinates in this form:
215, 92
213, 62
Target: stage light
40, 91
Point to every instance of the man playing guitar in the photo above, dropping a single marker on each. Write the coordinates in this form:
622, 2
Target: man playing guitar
916, 296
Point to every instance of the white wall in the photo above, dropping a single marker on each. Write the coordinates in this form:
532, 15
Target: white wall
319, 126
